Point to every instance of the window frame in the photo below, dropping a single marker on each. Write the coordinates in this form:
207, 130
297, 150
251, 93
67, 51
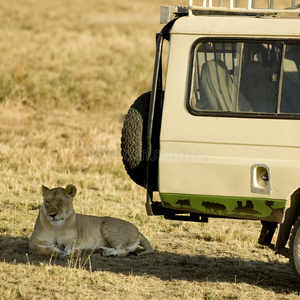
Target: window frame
261, 115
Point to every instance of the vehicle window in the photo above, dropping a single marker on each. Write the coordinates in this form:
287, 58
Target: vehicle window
290, 96
245, 77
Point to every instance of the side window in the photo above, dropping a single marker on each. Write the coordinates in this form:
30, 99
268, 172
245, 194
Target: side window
290, 95
238, 77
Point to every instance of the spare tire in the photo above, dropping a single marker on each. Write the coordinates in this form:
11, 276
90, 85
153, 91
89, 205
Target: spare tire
134, 139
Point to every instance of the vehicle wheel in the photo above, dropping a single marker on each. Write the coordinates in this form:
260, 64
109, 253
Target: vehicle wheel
294, 248
134, 139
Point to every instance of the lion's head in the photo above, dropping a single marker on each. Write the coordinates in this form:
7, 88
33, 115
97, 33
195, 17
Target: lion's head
58, 203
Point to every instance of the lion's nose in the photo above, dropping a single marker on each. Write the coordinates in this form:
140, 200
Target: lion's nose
53, 216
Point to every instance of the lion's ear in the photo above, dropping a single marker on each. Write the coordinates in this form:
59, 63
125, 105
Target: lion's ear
70, 190
45, 190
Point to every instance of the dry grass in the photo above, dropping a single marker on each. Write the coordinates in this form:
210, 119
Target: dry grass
69, 71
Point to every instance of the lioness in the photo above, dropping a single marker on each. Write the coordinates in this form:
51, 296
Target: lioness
59, 230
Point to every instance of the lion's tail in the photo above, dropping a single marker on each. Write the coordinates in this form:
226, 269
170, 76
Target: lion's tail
146, 245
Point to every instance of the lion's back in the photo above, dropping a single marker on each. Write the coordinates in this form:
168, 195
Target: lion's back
104, 230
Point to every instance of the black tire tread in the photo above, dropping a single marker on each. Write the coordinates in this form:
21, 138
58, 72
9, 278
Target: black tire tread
134, 139
291, 248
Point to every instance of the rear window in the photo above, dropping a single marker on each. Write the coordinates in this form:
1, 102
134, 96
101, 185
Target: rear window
245, 77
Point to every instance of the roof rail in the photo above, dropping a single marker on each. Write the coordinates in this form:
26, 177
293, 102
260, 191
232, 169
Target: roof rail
169, 13
234, 7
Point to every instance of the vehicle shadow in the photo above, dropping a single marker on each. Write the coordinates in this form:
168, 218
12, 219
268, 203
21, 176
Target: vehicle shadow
167, 266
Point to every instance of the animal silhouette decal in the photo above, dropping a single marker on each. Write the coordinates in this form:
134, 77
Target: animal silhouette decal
248, 208
232, 208
214, 208
185, 202
276, 212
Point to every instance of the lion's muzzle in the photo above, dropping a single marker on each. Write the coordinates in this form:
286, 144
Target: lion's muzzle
52, 216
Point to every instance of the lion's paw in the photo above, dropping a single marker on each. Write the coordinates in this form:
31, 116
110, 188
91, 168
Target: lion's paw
107, 251
63, 255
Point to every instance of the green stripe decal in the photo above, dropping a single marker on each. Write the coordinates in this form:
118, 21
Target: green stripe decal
236, 207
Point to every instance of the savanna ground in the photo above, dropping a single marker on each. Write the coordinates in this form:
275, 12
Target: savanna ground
70, 69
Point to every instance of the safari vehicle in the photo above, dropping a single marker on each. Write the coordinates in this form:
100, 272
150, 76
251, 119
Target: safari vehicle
219, 133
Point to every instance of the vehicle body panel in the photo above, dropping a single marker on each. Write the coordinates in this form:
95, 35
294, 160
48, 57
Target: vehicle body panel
215, 159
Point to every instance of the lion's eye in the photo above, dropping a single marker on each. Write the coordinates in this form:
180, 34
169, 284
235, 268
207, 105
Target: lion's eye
59, 201
47, 203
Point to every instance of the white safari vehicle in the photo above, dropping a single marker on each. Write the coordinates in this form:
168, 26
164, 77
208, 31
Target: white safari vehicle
219, 133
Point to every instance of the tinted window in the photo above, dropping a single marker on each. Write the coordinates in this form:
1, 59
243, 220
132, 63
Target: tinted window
245, 77
290, 94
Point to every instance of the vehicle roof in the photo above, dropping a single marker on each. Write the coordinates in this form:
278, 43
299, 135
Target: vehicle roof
235, 26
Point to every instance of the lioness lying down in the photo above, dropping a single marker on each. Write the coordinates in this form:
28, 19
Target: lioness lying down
59, 230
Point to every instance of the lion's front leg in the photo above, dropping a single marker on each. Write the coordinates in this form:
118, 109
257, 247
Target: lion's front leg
43, 249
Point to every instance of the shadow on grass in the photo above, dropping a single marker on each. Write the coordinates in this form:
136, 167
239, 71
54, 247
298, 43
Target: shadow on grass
167, 266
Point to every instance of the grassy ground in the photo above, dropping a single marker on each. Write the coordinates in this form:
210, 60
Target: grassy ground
70, 69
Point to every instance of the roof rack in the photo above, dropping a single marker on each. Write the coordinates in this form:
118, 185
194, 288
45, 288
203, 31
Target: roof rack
235, 7
169, 13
